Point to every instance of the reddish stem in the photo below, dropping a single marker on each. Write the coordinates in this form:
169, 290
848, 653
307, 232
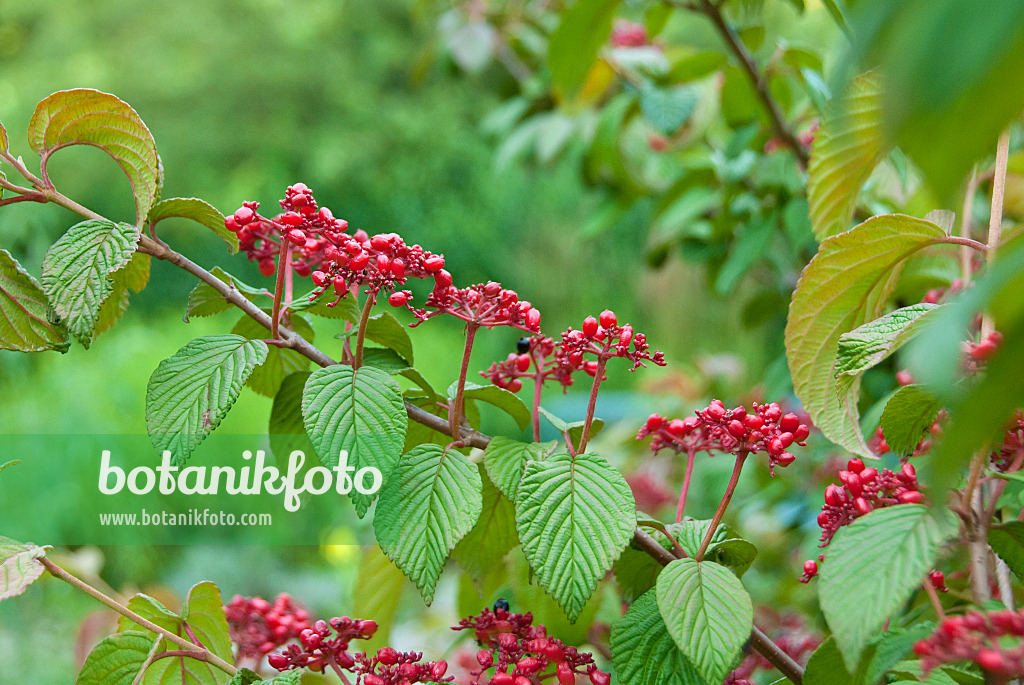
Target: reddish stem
733, 480
455, 411
538, 386
690, 458
279, 288
371, 299
598, 376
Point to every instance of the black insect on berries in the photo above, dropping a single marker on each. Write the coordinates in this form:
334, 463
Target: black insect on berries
523, 345
503, 603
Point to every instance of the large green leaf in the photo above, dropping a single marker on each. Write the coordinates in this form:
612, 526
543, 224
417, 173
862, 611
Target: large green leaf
132, 278
24, 322
287, 430
826, 667
575, 515
872, 343
384, 329
347, 308
847, 147
116, 660
644, 653
505, 460
429, 502
77, 272
895, 547
492, 537
507, 401
191, 392
358, 412
204, 300
88, 117
19, 566
381, 585
908, 414
574, 45
200, 211
280, 361
845, 285
1007, 540
707, 612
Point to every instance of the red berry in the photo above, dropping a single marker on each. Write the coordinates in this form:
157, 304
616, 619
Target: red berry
485, 658
387, 656
786, 439
371, 679
565, 674
398, 299
626, 336
267, 267
716, 411
753, 421
590, 368
340, 287
676, 427
515, 385
868, 475
379, 242
600, 678
383, 263
908, 473
607, 318
439, 669
810, 567
533, 318
801, 433
232, 225
654, 422
904, 377
296, 237
855, 465
991, 660
775, 447
737, 429
367, 628
785, 459
433, 263
589, 326
244, 215
862, 506
789, 423
359, 261
278, 661
398, 268
523, 362
291, 219
528, 665
442, 278
319, 278
502, 679
911, 497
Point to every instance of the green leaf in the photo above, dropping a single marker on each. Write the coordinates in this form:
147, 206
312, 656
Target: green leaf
707, 612
890, 647
667, 108
573, 428
153, 611
896, 547
845, 285
868, 345
644, 653
826, 667
735, 554
386, 359
429, 502
3, 138
494, 534
505, 460
245, 677
847, 148
908, 415
19, 566
381, 585
200, 211
134, 277
507, 401
358, 412
574, 45
750, 245
280, 361
116, 660
384, 329
346, 308
88, 117
77, 272
575, 515
287, 430
24, 322
1007, 540
191, 392
204, 300
7, 465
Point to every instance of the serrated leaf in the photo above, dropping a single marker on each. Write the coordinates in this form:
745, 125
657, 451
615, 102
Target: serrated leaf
891, 646
83, 116
386, 359
24, 324
707, 613
826, 667
191, 392
384, 329
280, 362
204, 300
245, 677
287, 431
908, 414
153, 611
360, 412
132, 278
200, 211
116, 660
494, 534
574, 45
429, 502
346, 308
505, 460
507, 401
845, 285
77, 272
574, 515
1007, 540
573, 428
380, 586
896, 547
19, 566
847, 147
644, 653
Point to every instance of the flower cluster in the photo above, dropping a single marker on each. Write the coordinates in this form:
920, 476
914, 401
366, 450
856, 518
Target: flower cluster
391, 667
319, 649
605, 339
520, 653
979, 637
536, 357
259, 627
717, 429
863, 489
309, 230
483, 304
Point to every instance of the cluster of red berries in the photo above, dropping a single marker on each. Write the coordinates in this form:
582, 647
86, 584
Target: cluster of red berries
980, 352
391, 667
1010, 451
628, 34
984, 638
259, 627
536, 357
483, 304
863, 489
309, 229
717, 429
604, 338
789, 632
523, 654
318, 649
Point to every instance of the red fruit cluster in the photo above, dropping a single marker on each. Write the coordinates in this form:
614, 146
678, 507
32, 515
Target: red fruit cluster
982, 351
523, 654
307, 228
604, 338
938, 581
537, 357
380, 263
319, 649
259, 627
717, 429
1010, 452
627, 34
987, 639
483, 304
391, 667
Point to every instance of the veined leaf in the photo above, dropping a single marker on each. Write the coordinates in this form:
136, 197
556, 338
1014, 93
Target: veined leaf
826, 667
847, 147
280, 362
116, 660
896, 547
505, 460
346, 308
908, 415
845, 285
707, 613
574, 45
132, 278
870, 344
191, 392
1007, 540
88, 117
360, 412
19, 566
575, 515
197, 210
429, 502
507, 401
24, 324
287, 431
384, 329
77, 272
204, 300
380, 586
494, 534
644, 653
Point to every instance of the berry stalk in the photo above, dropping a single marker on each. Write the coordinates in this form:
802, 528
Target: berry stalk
456, 408
283, 258
361, 333
592, 404
720, 512
690, 458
